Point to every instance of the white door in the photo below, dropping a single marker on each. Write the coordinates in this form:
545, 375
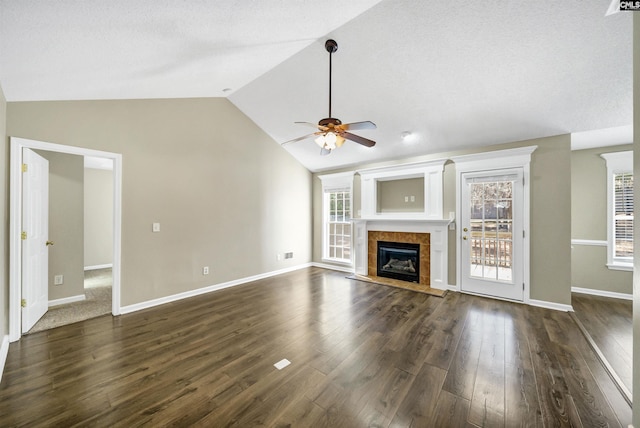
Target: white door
492, 204
35, 228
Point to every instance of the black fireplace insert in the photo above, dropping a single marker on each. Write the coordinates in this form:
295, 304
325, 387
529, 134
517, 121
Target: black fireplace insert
399, 260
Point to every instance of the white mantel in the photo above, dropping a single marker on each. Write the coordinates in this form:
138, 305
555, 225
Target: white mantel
438, 243
430, 220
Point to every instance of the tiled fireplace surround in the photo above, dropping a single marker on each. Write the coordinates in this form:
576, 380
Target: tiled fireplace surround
404, 237
430, 234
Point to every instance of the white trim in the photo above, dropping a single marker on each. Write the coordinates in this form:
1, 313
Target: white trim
498, 160
4, 352
551, 305
348, 269
192, 293
602, 293
15, 208
591, 242
96, 267
619, 266
65, 300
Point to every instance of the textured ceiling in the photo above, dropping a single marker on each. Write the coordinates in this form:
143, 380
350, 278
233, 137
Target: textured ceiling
454, 74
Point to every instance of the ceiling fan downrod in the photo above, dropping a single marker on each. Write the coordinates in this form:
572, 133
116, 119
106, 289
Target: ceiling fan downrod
331, 46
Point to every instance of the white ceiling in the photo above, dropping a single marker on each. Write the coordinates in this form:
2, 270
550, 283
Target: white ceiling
454, 74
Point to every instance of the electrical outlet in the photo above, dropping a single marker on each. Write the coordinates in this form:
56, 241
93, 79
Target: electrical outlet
205, 270
288, 255
406, 199
413, 198
58, 280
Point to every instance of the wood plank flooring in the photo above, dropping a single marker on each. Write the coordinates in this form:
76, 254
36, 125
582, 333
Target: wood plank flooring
362, 355
610, 324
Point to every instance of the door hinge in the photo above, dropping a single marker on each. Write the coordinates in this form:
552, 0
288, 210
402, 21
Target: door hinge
23, 235
23, 303
523, 285
523, 233
24, 167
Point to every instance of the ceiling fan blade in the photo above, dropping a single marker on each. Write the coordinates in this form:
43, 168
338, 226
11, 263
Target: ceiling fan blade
314, 125
304, 137
357, 126
358, 139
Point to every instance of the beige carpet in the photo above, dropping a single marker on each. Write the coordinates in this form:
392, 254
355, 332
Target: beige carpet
97, 289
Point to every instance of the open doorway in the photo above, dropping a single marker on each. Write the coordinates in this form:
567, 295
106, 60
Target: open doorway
16, 199
80, 228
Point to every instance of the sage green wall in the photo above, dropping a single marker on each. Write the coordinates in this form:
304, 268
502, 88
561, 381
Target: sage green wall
66, 223
392, 193
98, 217
589, 222
225, 194
4, 226
550, 213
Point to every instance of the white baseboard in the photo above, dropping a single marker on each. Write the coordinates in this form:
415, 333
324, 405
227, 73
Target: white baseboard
612, 294
4, 351
95, 267
348, 269
175, 297
71, 299
551, 305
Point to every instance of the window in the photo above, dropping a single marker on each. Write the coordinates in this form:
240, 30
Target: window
339, 226
336, 207
619, 210
623, 215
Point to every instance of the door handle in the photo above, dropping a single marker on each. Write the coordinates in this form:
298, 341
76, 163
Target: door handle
464, 237
49, 243
465, 230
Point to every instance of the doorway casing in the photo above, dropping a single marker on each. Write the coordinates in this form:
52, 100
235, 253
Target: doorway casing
491, 161
15, 215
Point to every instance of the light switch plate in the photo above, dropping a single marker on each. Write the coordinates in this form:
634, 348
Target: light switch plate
155, 227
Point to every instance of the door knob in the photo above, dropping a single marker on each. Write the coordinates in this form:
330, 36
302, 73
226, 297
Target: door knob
49, 243
464, 237
465, 229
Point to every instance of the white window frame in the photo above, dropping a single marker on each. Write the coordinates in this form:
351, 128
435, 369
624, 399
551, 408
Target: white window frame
617, 163
342, 181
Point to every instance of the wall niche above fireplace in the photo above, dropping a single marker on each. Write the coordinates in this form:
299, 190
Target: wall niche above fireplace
410, 191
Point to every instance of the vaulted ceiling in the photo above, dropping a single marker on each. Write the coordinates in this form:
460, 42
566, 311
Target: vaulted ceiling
453, 74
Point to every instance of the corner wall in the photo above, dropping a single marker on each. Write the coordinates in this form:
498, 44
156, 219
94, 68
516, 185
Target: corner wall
225, 194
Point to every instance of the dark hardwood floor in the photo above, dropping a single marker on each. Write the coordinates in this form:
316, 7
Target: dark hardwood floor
361, 355
610, 325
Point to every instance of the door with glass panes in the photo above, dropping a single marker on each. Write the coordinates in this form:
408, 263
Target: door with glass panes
492, 233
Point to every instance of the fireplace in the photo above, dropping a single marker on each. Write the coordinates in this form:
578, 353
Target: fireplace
399, 260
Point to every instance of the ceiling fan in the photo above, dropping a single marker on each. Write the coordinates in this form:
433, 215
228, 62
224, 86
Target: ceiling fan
332, 133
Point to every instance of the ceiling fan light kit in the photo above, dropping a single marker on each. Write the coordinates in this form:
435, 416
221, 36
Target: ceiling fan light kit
332, 133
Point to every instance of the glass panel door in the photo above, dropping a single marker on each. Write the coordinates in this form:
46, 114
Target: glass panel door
491, 233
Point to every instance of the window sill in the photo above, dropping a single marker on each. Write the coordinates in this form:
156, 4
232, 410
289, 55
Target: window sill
628, 267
